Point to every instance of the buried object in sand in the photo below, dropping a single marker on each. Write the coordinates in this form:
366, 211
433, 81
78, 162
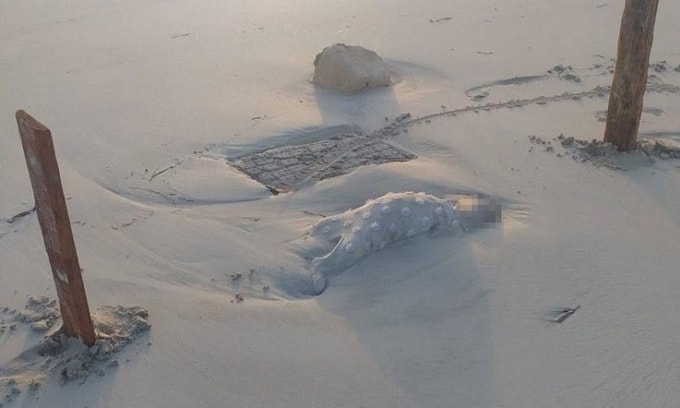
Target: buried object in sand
343, 240
349, 69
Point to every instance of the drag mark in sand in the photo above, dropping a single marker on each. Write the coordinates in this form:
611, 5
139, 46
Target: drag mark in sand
286, 168
518, 80
598, 91
654, 85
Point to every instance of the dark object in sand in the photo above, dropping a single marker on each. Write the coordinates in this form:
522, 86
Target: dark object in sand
21, 215
561, 314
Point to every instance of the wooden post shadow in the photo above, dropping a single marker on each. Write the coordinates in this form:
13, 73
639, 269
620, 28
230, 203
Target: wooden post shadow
50, 204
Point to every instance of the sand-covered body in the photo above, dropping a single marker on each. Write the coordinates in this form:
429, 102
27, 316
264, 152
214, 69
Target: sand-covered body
378, 224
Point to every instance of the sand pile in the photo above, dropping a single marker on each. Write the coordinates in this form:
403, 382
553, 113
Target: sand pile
40, 312
603, 154
115, 326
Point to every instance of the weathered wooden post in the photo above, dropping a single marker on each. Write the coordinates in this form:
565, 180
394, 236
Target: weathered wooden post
50, 205
630, 76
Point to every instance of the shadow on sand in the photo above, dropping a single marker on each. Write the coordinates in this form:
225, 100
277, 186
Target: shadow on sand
367, 109
424, 318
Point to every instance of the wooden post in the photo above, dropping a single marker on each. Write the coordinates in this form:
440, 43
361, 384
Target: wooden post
630, 76
56, 227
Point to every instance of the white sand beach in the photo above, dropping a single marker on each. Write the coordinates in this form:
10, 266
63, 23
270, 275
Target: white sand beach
153, 107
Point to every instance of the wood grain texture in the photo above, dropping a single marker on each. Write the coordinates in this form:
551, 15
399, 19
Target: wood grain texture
50, 204
630, 76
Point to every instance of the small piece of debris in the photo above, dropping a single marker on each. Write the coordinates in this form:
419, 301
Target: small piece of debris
20, 215
568, 141
536, 140
561, 314
74, 369
660, 66
571, 77
479, 96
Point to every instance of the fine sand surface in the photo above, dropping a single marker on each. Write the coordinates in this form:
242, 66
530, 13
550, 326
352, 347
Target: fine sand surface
152, 105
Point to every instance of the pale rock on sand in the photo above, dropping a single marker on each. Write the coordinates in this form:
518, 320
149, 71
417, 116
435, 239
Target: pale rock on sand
351, 236
349, 69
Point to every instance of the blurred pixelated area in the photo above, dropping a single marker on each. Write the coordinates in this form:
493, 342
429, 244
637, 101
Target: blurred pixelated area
478, 211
